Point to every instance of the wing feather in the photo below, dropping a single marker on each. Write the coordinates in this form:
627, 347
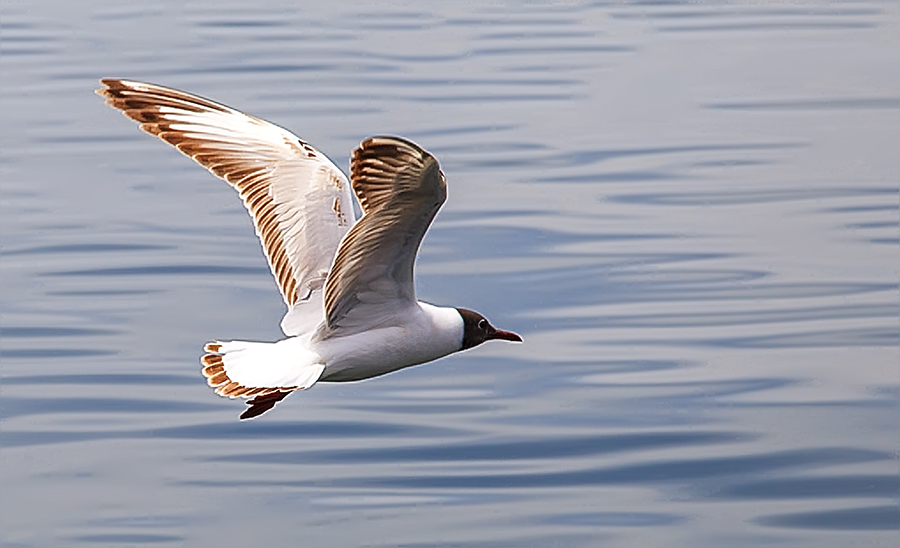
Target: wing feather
400, 188
299, 200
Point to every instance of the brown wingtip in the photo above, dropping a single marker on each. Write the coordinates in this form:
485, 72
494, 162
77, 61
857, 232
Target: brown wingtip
110, 85
211, 359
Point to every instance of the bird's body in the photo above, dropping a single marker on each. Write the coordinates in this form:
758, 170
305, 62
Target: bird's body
427, 333
348, 284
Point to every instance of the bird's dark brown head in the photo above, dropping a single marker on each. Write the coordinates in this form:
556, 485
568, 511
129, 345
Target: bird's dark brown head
476, 330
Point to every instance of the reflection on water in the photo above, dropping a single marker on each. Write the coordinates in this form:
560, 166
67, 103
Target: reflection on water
690, 210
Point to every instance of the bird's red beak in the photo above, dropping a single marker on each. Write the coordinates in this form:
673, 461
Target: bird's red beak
505, 335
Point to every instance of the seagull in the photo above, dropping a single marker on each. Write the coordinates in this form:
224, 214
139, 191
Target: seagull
348, 283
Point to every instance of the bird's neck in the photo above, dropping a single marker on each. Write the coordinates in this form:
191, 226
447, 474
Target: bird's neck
446, 325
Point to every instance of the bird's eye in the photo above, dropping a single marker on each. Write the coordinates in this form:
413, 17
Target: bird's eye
482, 325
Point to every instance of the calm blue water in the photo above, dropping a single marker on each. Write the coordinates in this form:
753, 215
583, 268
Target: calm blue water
689, 210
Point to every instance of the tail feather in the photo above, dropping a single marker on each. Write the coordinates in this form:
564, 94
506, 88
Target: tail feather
267, 372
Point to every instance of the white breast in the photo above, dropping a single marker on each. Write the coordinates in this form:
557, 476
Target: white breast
425, 333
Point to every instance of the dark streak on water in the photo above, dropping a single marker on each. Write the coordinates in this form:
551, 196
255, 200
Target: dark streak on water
556, 448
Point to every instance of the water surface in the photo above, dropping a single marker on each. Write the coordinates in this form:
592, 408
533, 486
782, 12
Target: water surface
689, 210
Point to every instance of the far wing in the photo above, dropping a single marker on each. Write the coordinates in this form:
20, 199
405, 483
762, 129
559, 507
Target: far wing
400, 188
299, 200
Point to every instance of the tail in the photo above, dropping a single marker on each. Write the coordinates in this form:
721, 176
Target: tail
268, 372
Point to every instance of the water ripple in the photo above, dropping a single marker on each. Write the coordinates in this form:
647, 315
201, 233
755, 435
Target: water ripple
544, 448
21, 407
161, 270
837, 486
214, 431
128, 538
852, 103
873, 518
668, 471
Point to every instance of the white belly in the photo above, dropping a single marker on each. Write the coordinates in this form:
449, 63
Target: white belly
427, 334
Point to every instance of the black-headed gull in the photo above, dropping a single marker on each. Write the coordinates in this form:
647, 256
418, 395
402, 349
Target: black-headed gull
348, 284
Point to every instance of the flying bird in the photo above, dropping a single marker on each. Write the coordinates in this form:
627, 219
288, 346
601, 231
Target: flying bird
347, 283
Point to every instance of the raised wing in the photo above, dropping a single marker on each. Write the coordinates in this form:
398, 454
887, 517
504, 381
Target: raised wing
400, 188
299, 200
